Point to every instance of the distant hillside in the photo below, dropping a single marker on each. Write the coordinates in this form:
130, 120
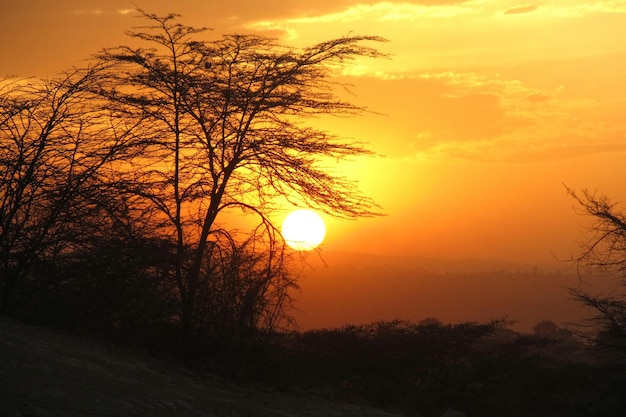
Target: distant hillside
344, 287
431, 264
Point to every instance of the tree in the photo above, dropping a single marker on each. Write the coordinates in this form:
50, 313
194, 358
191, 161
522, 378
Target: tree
603, 253
52, 153
546, 329
244, 286
220, 127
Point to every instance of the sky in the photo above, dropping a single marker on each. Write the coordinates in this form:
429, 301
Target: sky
484, 111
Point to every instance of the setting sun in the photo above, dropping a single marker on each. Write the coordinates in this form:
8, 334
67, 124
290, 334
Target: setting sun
303, 230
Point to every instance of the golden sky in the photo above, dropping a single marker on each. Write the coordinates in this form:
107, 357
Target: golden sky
486, 108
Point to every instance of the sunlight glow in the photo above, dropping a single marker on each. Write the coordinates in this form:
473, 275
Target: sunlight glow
303, 230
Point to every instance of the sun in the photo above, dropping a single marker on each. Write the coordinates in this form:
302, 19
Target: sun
303, 230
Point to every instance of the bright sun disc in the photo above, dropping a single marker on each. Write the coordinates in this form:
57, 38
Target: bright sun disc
303, 230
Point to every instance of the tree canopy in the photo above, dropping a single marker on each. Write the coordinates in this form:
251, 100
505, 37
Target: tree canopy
603, 254
155, 141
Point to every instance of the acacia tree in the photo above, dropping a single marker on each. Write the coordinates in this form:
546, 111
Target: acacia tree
52, 154
603, 253
243, 286
221, 123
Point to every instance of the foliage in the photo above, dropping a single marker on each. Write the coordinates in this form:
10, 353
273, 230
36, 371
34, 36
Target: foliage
117, 288
605, 248
603, 254
423, 369
55, 146
141, 154
219, 128
244, 287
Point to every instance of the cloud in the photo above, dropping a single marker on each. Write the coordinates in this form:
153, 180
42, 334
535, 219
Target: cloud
527, 125
521, 9
378, 12
428, 34
521, 152
489, 118
100, 12
387, 11
567, 9
93, 12
395, 21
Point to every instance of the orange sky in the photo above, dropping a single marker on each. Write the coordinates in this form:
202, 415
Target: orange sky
489, 106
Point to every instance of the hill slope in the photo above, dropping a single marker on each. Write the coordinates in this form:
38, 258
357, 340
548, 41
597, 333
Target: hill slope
43, 374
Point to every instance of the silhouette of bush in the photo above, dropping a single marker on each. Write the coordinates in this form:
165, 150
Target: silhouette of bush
481, 369
115, 289
386, 364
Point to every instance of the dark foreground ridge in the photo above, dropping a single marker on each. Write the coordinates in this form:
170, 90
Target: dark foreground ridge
43, 374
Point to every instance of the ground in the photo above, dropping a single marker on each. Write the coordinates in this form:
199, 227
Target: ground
48, 374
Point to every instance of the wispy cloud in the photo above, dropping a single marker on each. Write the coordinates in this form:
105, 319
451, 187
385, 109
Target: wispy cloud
521, 9
536, 125
470, 33
466, 114
93, 12
520, 152
377, 12
100, 12
388, 11
579, 9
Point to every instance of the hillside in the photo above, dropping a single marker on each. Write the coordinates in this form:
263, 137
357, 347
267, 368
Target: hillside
347, 287
43, 373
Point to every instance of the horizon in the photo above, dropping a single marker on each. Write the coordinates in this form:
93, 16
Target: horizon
354, 288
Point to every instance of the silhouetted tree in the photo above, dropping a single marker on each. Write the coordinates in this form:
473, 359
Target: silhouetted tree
603, 253
55, 144
244, 286
220, 126
546, 328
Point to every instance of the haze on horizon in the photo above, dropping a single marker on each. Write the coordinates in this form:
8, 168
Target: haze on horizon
484, 111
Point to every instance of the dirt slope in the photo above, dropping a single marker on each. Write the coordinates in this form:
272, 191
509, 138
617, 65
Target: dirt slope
43, 374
